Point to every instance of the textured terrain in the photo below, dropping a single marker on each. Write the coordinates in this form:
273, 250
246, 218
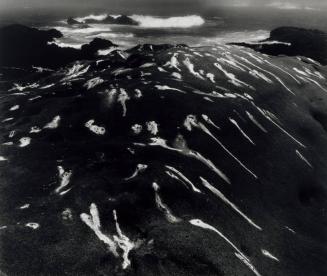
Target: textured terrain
165, 160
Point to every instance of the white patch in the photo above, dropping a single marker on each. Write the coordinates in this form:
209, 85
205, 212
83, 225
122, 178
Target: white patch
190, 66
3, 158
138, 93
176, 75
94, 128
54, 123
25, 206
24, 142
122, 99
173, 63
152, 127
15, 107
211, 77
32, 225
35, 129
120, 240
93, 221
64, 179
137, 129
269, 255
12, 134
93, 82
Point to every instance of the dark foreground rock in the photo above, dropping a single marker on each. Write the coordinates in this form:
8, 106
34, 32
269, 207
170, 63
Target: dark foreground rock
303, 42
196, 161
23, 46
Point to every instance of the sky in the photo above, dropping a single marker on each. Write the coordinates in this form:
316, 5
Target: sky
165, 6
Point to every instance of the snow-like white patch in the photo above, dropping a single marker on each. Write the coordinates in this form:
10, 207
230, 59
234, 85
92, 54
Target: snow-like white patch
15, 107
3, 158
25, 206
32, 225
94, 128
35, 129
137, 129
24, 142
54, 123
152, 127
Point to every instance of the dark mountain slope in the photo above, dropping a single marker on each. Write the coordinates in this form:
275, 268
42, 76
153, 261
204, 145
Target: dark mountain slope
196, 161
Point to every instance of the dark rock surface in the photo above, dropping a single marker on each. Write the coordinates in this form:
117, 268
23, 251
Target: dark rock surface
303, 42
195, 161
23, 46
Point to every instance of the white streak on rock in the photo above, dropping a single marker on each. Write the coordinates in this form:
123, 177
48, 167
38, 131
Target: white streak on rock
139, 169
299, 154
93, 221
163, 207
190, 153
166, 87
191, 121
269, 255
183, 178
3, 158
123, 242
122, 99
247, 263
220, 195
64, 179
241, 130
253, 120
232, 78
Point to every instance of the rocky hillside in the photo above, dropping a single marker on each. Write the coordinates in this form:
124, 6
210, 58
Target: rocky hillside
165, 160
